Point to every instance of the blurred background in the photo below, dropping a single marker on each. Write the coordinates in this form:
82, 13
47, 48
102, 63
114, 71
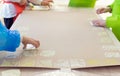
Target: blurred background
99, 3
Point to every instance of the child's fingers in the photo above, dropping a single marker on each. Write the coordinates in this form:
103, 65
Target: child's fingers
95, 22
100, 23
46, 4
101, 10
98, 11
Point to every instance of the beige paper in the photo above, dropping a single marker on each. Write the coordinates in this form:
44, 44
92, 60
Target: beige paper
12, 72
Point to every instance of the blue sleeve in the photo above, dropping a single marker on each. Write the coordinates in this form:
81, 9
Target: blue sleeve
9, 39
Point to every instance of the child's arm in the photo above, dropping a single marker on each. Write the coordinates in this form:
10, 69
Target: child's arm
41, 2
107, 9
46, 2
103, 10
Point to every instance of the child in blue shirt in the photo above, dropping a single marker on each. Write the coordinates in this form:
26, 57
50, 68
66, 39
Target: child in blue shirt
10, 40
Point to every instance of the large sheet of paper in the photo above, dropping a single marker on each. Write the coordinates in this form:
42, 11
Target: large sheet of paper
68, 40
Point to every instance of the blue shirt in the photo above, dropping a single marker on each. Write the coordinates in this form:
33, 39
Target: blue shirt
9, 39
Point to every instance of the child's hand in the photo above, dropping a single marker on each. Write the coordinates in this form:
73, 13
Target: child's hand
46, 2
103, 10
99, 22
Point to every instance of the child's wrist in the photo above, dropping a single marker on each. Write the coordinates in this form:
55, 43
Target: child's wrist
108, 9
